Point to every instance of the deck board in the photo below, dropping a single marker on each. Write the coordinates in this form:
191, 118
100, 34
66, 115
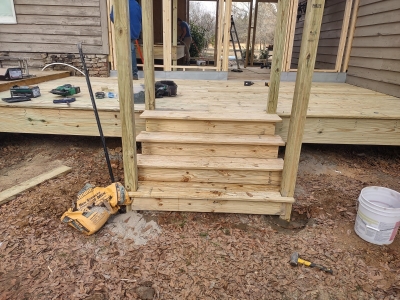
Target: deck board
338, 113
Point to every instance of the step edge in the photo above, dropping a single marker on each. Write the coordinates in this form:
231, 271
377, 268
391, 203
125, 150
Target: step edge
217, 198
208, 116
146, 138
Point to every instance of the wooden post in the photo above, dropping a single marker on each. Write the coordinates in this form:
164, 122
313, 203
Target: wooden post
175, 27
227, 36
125, 90
277, 57
343, 35
248, 34
351, 36
216, 33
148, 53
302, 91
290, 37
220, 33
166, 4
253, 44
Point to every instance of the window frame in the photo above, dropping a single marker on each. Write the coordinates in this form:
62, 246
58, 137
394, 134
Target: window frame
9, 19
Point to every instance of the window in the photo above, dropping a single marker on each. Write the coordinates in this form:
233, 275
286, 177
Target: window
7, 12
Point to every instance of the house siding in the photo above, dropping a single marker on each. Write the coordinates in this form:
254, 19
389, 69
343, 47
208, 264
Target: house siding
51, 28
331, 29
375, 55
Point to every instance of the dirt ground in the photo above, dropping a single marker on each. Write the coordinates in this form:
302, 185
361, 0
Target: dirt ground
196, 255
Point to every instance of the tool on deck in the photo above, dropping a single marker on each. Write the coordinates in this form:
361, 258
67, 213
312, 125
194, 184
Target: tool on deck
16, 99
295, 260
11, 74
66, 90
100, 95
96, 113
64, 100
25, 91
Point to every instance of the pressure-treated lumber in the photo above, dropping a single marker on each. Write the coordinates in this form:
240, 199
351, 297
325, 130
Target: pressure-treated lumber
227, 187
338, 113
277, 57
176, 52
125, 89
209, 194
308, 53
205, 163
204, 126
210, 116
343, 35
167, 39
210, 175
148, 41
221, 10
248, 35
225, 139
253, 43
227, 28
215, 145
207, 149
174, 27
214, 206
290, 37
7, 195
351, 36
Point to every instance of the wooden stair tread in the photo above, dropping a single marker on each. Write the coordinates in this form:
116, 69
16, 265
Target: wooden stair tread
207, 194
209, 138
211, 116
218, 163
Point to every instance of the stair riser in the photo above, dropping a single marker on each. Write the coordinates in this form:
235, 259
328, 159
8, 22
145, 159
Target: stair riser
228, 127
210, 150
210, 176
204, 205
211, 186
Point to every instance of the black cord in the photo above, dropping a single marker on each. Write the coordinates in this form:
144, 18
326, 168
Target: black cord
96, 113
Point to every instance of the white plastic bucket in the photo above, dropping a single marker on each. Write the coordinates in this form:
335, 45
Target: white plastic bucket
378, 215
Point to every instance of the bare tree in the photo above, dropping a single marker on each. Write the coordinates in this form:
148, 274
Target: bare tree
204, 18
265, 22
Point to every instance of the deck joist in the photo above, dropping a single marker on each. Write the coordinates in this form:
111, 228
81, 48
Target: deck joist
337, 114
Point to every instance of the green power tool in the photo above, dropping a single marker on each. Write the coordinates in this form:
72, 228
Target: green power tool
66, 90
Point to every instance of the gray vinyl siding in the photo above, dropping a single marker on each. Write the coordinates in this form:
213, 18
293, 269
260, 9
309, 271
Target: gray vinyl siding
375, 55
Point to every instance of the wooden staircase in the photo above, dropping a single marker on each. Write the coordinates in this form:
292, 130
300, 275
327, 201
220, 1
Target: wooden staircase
208, 162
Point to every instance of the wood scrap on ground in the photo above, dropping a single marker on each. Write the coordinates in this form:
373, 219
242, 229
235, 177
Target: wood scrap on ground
8, 194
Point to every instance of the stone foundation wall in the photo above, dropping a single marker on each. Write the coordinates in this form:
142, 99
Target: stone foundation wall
97, 64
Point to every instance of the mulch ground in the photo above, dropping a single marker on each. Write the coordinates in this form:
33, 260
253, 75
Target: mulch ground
197, 255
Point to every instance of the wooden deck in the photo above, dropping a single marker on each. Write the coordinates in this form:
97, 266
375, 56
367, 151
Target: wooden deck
337, 114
